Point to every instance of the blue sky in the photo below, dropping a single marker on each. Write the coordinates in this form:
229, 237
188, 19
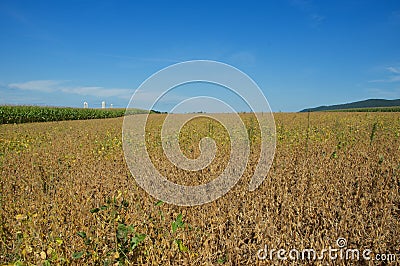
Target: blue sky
301, 53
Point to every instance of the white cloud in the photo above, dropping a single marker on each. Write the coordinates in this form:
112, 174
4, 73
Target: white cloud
99, 91
395, 76
63, 86
384, 93
37, 85
394, 17
317, 19
145, 59
395, 70
310, 10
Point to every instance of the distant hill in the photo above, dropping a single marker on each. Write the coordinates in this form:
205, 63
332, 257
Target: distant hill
370, 103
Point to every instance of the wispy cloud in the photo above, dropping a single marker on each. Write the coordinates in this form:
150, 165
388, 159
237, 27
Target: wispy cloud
317, 19
51, 86
143, 59
395, 70
394, 17
99, 91
310, 10
394, 77
384, 93
37, 85
143, 99
390, 79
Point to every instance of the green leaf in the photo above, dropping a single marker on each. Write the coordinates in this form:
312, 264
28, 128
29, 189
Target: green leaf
88, 241
159, 203
178, 223
46, 263
94, 210
122, 231
104, 207
59, 241
82, 234
125, 203
221, 260
136, 240
174, 227
140, 237
179, 220
107, 262
130, 228
181, 246
78, 255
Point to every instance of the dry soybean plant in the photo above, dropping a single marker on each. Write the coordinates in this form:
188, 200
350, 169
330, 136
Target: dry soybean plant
67, 196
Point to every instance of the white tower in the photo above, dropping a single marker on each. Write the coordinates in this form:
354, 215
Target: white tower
85, 105
103, 104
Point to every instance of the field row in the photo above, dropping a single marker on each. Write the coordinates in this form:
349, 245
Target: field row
28, 114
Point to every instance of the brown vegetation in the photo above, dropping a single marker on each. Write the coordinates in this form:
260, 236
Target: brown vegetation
66, 192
